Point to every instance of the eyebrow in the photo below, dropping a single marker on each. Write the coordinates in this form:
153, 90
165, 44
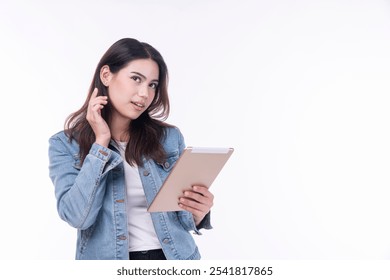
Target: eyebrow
143, 76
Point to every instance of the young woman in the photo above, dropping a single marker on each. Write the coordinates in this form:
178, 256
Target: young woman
112, 158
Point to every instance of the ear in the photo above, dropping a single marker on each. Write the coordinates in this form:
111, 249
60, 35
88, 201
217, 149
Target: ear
105, 75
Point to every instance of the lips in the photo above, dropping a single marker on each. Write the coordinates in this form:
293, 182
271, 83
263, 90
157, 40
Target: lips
138, 105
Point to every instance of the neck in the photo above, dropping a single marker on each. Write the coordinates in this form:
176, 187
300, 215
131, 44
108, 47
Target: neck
120, 130
124, 137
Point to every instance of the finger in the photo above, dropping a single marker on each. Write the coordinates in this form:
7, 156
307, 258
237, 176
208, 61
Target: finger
98, 100
203, 208
101, 100
201, 194
94, 93
198, 198
195, 212
95, 108
202, 190
97, 103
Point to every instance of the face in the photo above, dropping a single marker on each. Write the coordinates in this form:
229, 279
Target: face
132, 89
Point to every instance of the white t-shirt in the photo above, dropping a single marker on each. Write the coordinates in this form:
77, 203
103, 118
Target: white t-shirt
142, 235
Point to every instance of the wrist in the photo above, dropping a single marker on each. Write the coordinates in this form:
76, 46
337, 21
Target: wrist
198, 220
102, 142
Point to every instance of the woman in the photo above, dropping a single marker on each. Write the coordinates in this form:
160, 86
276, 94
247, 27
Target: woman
113, 156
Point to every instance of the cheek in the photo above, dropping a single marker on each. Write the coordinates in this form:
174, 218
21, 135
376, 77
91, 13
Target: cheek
118, 87
152, 95
115, 98
120, 91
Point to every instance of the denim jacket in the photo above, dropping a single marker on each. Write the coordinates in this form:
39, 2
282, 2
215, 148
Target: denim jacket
92, 198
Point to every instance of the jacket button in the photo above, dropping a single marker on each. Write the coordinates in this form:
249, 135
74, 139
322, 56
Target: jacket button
166, 241
120, 200
103, 152
122, 237
146, 172
166, 164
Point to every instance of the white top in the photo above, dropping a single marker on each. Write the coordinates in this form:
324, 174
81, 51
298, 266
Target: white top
142, 235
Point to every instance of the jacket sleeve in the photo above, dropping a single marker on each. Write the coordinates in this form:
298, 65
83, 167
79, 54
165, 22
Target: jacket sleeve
79, 191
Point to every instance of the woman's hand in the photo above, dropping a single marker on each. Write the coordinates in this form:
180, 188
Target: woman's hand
198, 201
94, 117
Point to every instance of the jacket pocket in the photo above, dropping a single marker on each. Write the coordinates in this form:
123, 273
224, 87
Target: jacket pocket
165, 167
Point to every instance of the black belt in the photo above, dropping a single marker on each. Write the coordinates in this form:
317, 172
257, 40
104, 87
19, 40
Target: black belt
156, 254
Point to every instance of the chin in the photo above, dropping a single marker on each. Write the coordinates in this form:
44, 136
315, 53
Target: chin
134, 117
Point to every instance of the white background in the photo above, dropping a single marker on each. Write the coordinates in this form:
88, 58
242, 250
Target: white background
299, 88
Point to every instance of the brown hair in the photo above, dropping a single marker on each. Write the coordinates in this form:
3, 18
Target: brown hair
147, 131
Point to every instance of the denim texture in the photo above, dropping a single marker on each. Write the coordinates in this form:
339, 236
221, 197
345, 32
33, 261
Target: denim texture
92, 199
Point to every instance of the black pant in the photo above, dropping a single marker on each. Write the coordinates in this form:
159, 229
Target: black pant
157, 254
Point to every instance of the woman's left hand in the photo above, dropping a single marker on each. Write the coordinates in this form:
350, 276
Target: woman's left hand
198, 201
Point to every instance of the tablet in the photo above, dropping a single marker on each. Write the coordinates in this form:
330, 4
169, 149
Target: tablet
196, 166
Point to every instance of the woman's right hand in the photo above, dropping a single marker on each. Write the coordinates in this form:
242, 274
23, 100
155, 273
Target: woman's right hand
94, 117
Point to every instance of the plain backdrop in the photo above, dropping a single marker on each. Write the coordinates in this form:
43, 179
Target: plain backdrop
300, 89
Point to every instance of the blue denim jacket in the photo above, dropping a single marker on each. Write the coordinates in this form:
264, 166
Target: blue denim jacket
92, 198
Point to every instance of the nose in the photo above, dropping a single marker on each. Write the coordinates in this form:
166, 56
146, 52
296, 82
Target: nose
143, 92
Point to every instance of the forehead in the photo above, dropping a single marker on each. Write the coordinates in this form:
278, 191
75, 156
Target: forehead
146, 67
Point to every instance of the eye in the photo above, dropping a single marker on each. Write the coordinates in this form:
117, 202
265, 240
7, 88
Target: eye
136, 78
153, 85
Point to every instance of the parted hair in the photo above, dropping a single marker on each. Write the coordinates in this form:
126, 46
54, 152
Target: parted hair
147, 131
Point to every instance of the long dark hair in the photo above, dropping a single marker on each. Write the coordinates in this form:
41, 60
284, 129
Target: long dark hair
147, 131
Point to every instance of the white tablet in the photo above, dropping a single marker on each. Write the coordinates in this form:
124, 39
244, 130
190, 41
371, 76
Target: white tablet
196, 166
